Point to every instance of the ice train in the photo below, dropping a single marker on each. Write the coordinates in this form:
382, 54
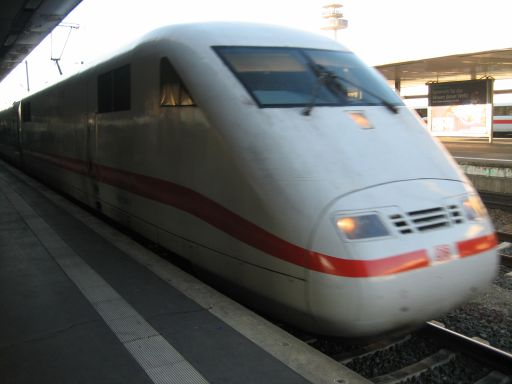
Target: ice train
273, 158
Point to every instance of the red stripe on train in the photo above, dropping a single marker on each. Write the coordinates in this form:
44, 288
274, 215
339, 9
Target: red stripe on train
474, 246
245, 231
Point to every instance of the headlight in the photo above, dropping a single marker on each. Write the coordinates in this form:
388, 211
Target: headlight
474, 208
359, 227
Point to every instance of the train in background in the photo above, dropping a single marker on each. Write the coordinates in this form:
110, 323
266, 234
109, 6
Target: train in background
274, 159
501, 122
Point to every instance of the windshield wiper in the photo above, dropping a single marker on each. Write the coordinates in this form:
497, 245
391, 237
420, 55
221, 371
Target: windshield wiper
334, 83
326, 78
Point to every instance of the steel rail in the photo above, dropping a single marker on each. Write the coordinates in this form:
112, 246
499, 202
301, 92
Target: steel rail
497, 200
504, 236
478, 350
506, 241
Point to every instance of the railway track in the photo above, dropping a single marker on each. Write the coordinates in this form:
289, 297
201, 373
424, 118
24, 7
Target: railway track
444, 356
505, 239
504, 236
479, 350
497, 200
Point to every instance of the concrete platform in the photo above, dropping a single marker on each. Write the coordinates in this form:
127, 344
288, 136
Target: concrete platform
475, 149
81, 303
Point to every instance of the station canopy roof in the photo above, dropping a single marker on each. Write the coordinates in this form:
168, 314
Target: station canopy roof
466, 66
24, 24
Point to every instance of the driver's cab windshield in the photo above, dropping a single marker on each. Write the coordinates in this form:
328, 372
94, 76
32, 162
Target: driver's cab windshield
286, 77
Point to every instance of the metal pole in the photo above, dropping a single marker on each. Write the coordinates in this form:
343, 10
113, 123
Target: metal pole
398, 85
26, 71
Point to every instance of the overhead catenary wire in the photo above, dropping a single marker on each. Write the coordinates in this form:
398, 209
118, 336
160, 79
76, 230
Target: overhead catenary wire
59, 57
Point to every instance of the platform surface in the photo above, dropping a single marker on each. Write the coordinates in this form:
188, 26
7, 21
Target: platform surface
480, 150
75, 308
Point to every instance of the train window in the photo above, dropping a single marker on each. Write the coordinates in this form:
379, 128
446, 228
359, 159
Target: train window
121, 89
173, 92
114, 90
105, 92
296, 77
26, 111
273, 76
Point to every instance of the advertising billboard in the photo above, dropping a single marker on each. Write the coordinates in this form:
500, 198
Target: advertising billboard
461, 108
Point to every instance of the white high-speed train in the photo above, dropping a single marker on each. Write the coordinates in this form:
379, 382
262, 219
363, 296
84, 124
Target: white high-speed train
502, 118
275, 159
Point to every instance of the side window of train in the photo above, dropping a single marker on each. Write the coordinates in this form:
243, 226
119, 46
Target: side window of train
173, 92
114, 90
26, 111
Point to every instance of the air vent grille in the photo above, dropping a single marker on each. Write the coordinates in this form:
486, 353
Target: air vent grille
427, 219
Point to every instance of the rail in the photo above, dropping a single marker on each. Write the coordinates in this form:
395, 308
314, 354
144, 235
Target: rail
505, 239
478, 350
497, 200
504, 236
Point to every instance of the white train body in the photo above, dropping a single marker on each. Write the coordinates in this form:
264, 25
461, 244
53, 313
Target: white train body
351, 220
502, 124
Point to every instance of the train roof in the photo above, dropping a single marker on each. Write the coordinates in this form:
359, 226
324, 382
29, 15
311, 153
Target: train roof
201, 36
241, 34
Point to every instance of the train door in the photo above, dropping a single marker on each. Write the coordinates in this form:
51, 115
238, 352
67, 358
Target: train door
16, 126
90, 142
91, 152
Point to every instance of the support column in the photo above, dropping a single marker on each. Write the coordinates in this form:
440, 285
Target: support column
397, 80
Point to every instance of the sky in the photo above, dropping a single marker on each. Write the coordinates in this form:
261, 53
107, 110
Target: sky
379, 31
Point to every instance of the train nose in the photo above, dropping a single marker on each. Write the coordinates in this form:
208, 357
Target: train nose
382, 267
